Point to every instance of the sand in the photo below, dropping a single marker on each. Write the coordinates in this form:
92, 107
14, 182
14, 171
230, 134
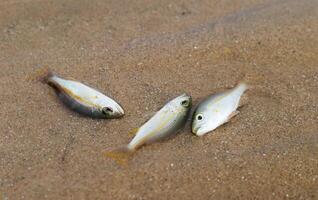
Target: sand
144, 53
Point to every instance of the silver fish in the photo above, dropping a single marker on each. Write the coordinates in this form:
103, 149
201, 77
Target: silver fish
164, 123
167, 121
84, 99
216, 110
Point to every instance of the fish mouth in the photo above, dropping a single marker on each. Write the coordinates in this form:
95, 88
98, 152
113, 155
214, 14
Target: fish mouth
120, 111
195, 130
198, 131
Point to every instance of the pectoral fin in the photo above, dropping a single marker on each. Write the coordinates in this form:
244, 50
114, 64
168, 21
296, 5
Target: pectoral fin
233, 114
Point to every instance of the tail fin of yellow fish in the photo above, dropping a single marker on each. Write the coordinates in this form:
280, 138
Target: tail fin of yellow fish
42, 75
120, 156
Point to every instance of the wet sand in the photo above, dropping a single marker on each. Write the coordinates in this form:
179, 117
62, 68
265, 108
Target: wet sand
143, 53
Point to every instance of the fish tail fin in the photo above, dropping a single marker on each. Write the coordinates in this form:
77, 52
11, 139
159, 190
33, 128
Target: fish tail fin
120, 155
241, 88
43, 75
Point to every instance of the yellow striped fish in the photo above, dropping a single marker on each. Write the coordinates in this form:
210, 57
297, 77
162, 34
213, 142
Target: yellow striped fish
84, 99
167, 121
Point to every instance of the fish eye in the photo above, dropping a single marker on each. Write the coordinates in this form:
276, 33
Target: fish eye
185, 103
199, 117
107, 110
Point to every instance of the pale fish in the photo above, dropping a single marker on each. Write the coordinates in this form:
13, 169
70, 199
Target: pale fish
167, 121
216, 110
84, 99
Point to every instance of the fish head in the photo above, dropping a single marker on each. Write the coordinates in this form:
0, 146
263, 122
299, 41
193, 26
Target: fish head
182, 102
198, 124
112, 110
202, 121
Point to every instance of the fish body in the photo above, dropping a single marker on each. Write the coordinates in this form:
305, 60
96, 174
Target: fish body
216, 110
84, 99
168, 120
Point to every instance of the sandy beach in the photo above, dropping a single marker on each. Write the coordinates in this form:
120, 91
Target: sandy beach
144, 53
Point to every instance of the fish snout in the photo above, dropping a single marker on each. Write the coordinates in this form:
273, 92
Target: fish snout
198, 131
119, 111
115, 111
195, 130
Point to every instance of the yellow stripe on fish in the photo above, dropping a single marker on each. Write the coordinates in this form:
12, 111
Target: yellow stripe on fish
160, 127
70, 93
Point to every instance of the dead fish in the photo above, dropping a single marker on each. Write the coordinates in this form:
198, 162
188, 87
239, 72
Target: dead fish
216, 110
167, 121
82, 98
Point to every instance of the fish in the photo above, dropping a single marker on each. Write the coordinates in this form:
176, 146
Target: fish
166, 122
216, 110
82, 98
